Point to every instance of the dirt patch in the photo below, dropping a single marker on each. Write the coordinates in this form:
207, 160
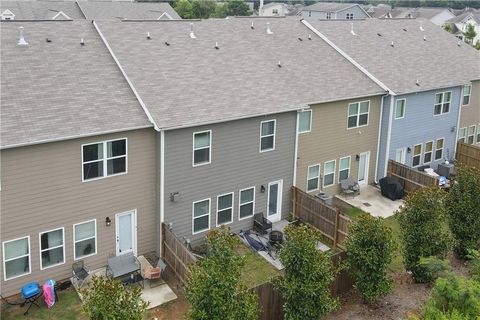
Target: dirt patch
172, 310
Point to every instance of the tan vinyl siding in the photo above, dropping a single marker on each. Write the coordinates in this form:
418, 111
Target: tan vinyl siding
42, 189
330, 139
470, 114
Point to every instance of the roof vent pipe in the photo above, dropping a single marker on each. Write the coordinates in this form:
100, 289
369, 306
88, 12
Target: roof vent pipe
309, 37
421, 26
21, 40
216, 46
148, 36
279, 64
351, 29
424, 38
82, 43
417, 83
252, 26
459, 43
192, 34
392, 45
269, 31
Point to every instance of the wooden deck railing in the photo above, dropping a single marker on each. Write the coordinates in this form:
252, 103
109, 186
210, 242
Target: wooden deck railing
410, 178
468, 154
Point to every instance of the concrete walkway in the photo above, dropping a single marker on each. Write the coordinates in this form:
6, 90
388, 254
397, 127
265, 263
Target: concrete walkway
371, 200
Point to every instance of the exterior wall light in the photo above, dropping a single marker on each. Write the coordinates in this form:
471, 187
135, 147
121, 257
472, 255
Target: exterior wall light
108, 221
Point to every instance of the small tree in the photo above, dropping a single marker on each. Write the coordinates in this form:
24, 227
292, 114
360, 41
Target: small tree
424, 229
213, 287
236, 8
305, 285
463, 206
184, 9
470, 33
448, 27
203, 9
110, 299
370, 247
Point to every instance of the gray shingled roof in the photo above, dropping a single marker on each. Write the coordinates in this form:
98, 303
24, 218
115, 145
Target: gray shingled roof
60, 89
461, 17
437, 62
189, 82
330, 6
41, 10
97, 10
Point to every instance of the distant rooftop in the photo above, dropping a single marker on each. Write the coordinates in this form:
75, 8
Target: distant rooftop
42, 10
99, 10
330, 6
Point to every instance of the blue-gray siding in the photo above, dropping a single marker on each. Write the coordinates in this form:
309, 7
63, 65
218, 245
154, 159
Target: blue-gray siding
358, 13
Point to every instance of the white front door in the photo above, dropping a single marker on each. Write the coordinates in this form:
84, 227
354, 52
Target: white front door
363, 165
400, 155
274, 201
126, 232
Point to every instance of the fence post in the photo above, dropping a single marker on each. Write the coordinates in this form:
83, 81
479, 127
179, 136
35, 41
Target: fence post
294, 204
335, 236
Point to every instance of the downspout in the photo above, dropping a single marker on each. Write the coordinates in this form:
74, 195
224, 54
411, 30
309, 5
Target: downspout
389, 132
295, 153
379, 137
162, 185
458, 123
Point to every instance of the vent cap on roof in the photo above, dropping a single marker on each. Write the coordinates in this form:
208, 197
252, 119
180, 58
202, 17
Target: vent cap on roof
21, 40
192, 34
351, 30
269, 31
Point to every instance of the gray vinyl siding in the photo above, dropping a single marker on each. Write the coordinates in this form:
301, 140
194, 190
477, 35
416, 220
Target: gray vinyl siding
42, 189
358, 13
236, 163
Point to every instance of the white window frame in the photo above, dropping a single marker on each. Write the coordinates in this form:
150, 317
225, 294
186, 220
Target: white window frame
309, 126
462, 136
431, 152
61, 13
469, 94
358, 114
324, 173
404, 108
5, 261
7, 15
268, 135
165, 14
41, 251
474, 134
442, 103
436, 149
105, 159
207, 214
231, 208
347, 16
419, 155
209, 148
478, 133
328, 15
75, 240
404, 155
349, 166
317, 177
240, 204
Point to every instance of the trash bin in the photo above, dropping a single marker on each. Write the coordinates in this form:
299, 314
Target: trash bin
325, 197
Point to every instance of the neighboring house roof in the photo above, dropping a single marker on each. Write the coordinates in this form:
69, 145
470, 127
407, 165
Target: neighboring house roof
193, 83
275, 4
429, 13
466, 16
379, 11
60, 89
42, 10
97, 10
330, 6
436, 61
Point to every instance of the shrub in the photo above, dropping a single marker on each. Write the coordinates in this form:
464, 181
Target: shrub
474, 256
463, 206
213, 287
370, 248
432, 268
424, 228
110, 299
454, 298
308, 274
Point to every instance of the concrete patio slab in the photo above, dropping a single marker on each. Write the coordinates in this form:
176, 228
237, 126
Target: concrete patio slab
371, 200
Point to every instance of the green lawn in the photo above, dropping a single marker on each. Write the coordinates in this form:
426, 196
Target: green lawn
257, 270
353, 212
397, 262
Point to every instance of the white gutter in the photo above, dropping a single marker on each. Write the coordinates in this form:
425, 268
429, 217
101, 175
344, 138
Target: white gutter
346, 56
296, 151
457, 131
162, 184
379, 137
389, 134
142, 104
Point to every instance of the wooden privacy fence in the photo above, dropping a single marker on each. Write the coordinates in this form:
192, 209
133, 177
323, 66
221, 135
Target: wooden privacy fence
468, 154
327, 219
410, 178
176, 256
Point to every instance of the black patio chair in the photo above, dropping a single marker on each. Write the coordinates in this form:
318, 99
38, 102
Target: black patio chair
80, 273
261, 224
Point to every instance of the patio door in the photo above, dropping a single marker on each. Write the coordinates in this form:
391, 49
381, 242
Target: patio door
363, 164
126, 232
274, 201
400, 155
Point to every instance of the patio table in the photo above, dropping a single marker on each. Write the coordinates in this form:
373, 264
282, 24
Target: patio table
125, 266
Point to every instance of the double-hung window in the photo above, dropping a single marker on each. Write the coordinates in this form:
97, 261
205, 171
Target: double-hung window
202, 145
427, 156
400, 109
358, 114
225, 209
201, 216
462, 135
246, 203
329, 173
52, 248
313, 178
439, 149
267, 135
349, 16
478, 133
471, 134
329, 15
467, 91
102, 159
442, 102
417, 155
305, 121
16, 258
344, 168
84, 239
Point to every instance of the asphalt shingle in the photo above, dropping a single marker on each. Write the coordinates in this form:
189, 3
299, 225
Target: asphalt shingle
98, 10
41, 10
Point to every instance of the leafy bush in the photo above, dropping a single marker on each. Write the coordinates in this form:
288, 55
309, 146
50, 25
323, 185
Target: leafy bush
213, 287
454, 298
424, 229
432, 268
305, 285
370, 248
474, 256
110, 299
463, 206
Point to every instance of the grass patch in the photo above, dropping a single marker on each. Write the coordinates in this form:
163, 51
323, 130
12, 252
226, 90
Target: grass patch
353, 212
67, 307
257, 270
397, 262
